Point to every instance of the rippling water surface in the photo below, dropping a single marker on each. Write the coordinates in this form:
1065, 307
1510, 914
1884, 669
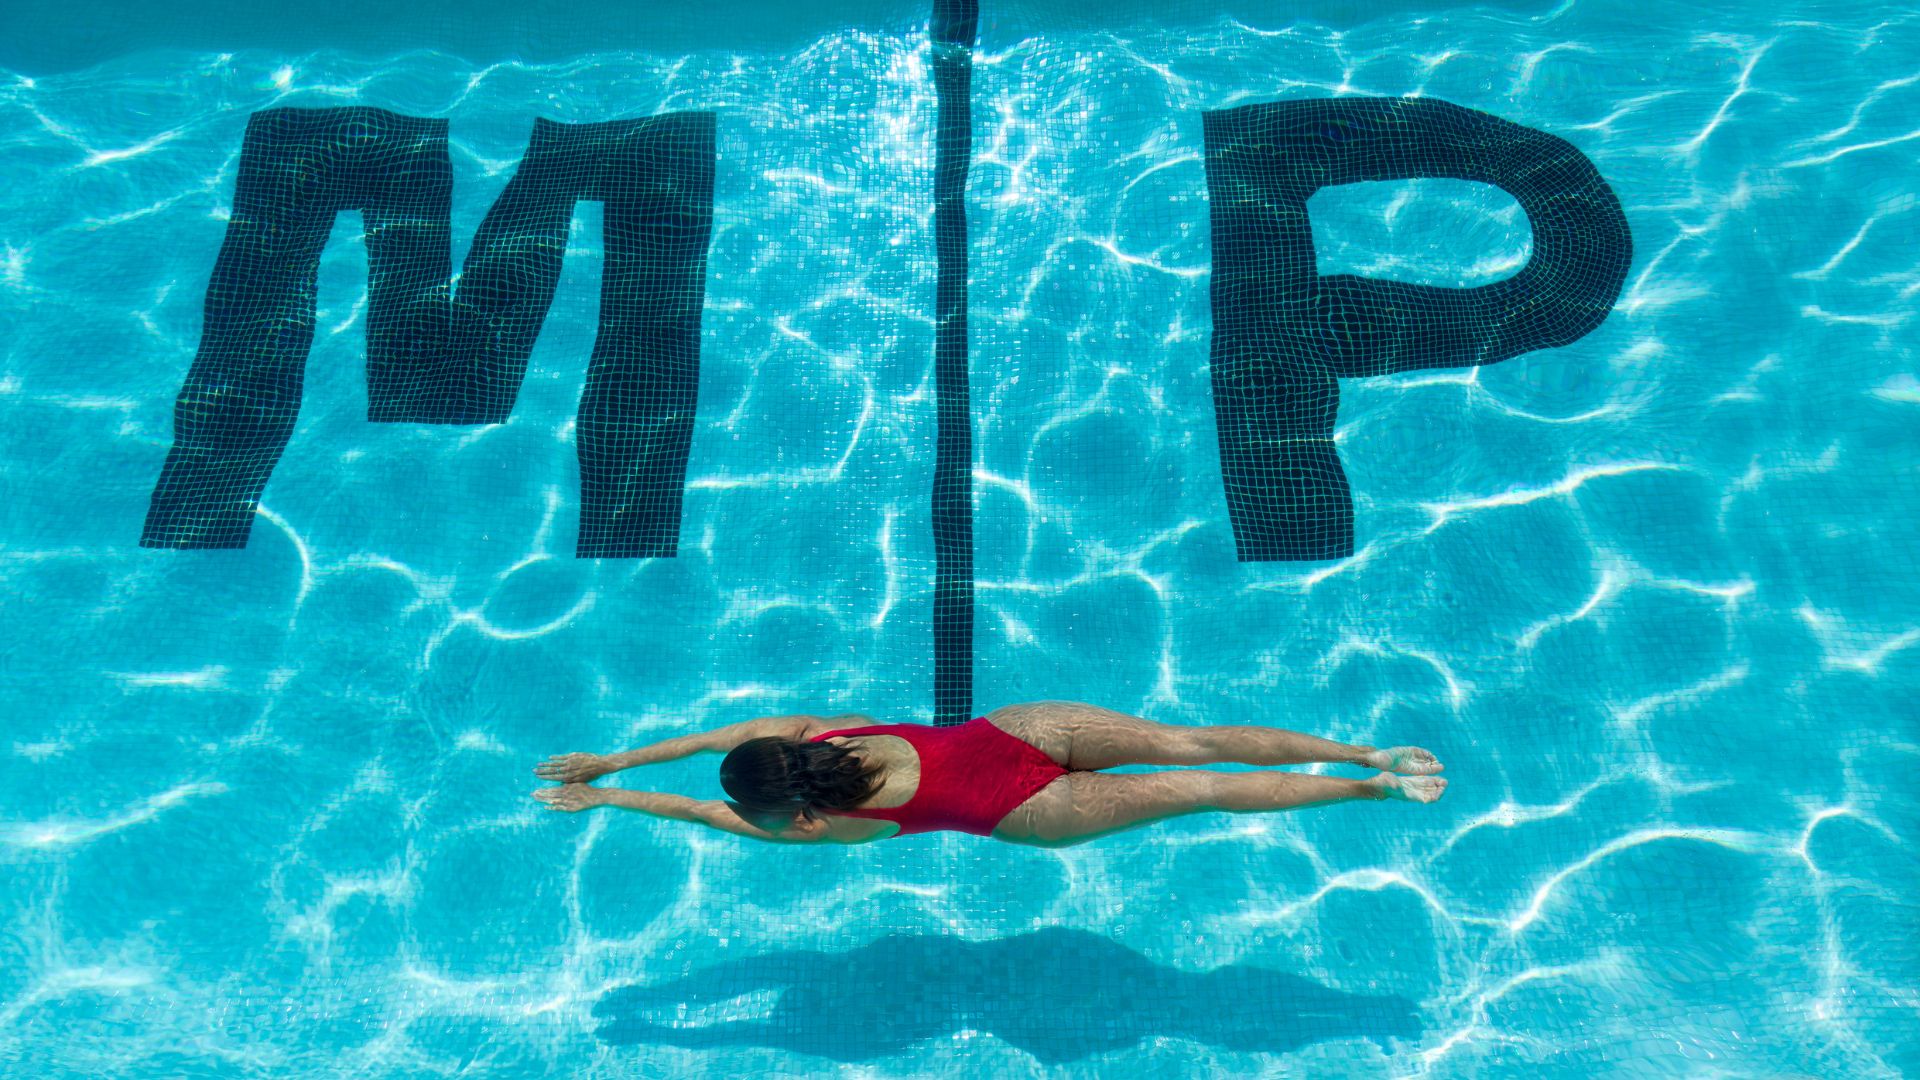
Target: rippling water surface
1651, 597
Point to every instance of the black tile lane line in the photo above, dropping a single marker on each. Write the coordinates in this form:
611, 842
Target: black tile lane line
1284, 335
437, 358
953, 29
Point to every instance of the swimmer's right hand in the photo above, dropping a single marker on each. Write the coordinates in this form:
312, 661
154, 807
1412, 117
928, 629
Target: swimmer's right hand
574, 768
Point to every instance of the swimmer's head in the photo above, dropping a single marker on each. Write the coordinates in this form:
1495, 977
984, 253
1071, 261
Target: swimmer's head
779, 777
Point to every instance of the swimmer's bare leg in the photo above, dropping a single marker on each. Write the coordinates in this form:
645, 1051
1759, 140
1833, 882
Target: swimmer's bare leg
1084, 737
1255, 744
1082, 806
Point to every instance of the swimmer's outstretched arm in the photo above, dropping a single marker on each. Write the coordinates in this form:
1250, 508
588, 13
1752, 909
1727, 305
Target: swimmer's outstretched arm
572, 798
576, 797
578, 768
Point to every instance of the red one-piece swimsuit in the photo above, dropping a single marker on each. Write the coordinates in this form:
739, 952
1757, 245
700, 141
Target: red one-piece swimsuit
971, 775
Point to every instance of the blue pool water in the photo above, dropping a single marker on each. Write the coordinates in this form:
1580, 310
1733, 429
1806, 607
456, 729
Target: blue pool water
1652, 596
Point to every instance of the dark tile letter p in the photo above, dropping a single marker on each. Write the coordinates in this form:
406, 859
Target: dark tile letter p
1284, 335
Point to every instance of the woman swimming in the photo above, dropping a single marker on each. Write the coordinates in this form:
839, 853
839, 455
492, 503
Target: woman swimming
1023, 773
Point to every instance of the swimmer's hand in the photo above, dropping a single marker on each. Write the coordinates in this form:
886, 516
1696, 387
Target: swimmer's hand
574, 768
572, 798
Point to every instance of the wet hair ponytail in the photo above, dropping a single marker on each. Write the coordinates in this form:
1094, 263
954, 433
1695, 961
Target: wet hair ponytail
777, 776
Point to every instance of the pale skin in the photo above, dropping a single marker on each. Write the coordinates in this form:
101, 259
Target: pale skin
1080, 806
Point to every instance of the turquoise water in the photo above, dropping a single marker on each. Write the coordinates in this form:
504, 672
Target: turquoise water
1652, 597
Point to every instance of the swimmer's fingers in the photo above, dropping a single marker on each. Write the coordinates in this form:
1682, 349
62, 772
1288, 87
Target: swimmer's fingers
555, 767
570, 798
572, 768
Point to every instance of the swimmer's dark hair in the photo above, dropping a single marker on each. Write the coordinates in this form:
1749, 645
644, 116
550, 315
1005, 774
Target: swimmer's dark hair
774, 776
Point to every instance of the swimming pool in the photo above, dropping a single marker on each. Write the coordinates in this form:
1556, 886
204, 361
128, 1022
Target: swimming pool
1651, 594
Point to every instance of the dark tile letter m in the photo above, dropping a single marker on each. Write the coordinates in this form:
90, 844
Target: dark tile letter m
436, 358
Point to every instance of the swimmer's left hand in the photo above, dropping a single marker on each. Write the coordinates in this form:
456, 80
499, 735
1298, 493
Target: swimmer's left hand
571, 798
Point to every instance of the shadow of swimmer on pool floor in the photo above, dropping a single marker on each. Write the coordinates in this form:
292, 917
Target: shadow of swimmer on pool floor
1057, 994
1027, 774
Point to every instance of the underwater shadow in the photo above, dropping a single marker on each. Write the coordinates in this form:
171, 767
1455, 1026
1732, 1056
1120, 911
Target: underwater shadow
1058, 994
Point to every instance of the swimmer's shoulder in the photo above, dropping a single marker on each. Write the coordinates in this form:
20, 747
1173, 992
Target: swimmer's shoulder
817, 726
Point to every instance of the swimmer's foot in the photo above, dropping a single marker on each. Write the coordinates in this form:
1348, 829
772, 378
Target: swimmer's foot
1405, 760
1422, 789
